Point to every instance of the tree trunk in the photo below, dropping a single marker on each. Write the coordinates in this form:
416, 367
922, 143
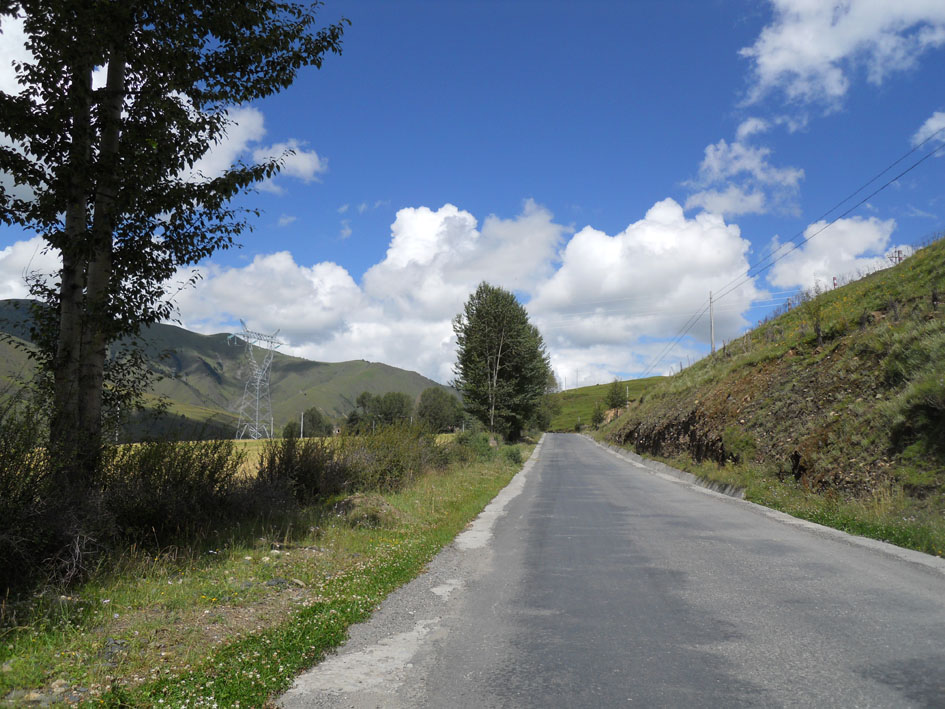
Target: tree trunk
95, 336
495, 384
79, 372
64, 425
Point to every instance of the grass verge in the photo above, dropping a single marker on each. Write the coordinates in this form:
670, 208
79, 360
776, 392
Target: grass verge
887, 514
232, 622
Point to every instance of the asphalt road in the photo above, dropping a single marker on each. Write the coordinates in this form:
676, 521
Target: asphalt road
592, 582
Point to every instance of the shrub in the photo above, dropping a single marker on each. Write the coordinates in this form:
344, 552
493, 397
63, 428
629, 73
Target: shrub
739, 444
156, 490
913, 350
27, 532
919, 414
474, 446
384, 459
513, 454
391, 456
307, 469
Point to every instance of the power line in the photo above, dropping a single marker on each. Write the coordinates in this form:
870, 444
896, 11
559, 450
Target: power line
581, 316
760, 267
757, 268
833, 221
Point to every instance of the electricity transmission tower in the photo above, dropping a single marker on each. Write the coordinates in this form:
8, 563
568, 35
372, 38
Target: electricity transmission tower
256, 406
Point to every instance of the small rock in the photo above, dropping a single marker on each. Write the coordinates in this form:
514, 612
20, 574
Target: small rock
6, 667
60, 686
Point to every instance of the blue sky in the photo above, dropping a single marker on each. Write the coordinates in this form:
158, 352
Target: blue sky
611, 162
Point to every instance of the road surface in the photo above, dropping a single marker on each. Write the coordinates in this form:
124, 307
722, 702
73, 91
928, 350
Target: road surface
593, 582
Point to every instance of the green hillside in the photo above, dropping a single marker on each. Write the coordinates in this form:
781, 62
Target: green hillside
850, 427
203, 375
577, 405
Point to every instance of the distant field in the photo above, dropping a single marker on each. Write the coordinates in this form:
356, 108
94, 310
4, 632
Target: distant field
577, 405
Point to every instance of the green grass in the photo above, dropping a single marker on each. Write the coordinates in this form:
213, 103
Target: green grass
577, 405
235, 619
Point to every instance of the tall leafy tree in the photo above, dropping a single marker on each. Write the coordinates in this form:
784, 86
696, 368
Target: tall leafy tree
501, 366
316, 423
439, 410
549, 406
380, 410
106, 174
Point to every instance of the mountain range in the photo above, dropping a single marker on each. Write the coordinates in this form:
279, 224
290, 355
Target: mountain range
202, 377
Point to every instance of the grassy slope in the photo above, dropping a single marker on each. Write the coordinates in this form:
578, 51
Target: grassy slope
577, 405
15, 366
858, 421
206, 372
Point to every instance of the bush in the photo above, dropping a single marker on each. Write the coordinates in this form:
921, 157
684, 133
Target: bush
156, 490
912, 351
384, 459
513, 454
391, 456
474, 446
307, 469
739, 445
27, 532
918, 415
158, 493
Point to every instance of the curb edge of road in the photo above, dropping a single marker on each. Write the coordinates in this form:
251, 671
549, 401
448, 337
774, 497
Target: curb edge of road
736, 495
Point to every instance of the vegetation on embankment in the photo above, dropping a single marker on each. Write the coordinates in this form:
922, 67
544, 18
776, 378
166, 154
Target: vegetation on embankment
834, 411
229, 615
575, 407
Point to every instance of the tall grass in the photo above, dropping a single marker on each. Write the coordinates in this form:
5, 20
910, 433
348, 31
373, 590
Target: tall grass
233, 614
159, 494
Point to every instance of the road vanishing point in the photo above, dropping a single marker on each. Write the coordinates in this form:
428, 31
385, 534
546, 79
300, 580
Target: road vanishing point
595, 580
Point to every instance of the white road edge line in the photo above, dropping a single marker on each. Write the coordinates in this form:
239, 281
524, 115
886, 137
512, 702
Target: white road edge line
928, 561
480, 530
380, 667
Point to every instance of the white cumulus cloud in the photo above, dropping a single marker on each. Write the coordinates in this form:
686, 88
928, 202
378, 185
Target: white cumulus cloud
848, 247
21, 259
811, 47
297, 162
12, 49
603, 302
401, 313
738, 178
733, 200
615, 294
933, 126
308, 304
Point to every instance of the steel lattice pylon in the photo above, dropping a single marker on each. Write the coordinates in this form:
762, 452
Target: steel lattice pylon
256, 406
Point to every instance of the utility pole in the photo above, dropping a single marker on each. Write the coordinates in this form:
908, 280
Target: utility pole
302, 416
711, 322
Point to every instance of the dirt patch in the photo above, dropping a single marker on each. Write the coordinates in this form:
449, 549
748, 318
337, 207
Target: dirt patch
369, 510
